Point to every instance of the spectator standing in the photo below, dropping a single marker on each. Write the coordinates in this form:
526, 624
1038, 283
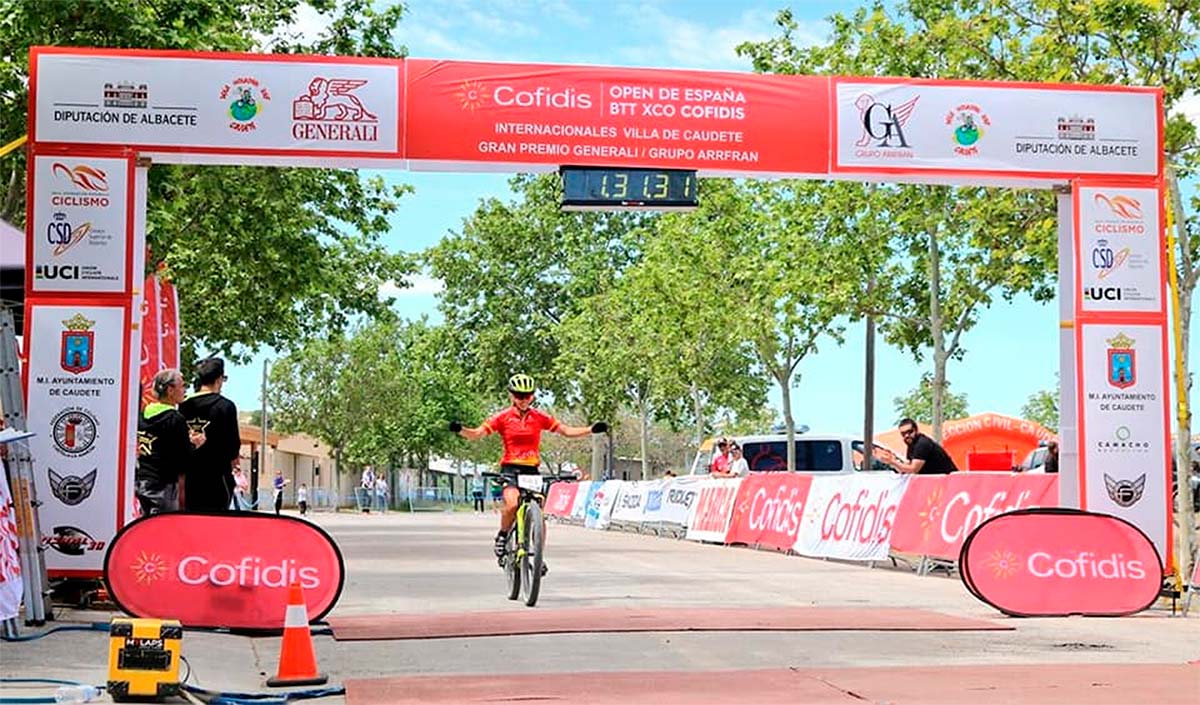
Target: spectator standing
381, 494
277, 485
738, 467
1052, 458
477, 493
241, 490
366, 489
208, 484
302, 498
924, 456
720, 461
165, 446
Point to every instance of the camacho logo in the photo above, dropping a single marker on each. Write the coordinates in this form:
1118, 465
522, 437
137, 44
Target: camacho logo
1122, 361
331, 110
968, 121
149, 568
78, 342
884, 123
1125, 493
247, 99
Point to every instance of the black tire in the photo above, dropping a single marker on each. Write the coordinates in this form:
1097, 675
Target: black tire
512, 570
531, 564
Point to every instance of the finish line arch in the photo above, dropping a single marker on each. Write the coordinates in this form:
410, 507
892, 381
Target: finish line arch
100, 117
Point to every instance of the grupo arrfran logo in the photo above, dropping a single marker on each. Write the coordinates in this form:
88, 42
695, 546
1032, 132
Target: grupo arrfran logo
1055, 562
178, 566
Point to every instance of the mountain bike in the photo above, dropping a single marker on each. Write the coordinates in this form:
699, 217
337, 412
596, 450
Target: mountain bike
523, 554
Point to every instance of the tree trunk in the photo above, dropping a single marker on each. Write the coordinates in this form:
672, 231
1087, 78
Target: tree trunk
784, 379
644, 418
868, 461
698, 410
938, 335
1183, 422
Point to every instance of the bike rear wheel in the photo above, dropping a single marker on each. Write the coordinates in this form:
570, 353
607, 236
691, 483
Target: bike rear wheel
531, 562
512, 568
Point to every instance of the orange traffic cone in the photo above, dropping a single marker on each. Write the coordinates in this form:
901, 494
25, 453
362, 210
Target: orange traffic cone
297, 659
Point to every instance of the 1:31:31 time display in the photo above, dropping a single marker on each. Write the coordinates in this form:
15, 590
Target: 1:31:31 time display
645, 186
593, 187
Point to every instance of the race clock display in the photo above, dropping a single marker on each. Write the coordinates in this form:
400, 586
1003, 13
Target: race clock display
588, 188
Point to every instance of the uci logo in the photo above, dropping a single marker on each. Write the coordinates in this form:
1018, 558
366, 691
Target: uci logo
1102, 293
56, 271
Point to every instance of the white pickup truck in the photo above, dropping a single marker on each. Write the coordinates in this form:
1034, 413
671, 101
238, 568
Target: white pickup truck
815, 454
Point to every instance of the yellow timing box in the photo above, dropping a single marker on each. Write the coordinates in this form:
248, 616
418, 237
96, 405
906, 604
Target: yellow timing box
143, 658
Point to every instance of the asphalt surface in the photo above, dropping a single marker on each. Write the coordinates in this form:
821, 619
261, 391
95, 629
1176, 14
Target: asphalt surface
436, 563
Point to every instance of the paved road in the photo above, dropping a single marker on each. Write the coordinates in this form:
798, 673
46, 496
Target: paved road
434, 563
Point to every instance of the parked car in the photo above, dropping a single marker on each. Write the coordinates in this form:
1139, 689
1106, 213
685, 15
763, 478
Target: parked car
815, 454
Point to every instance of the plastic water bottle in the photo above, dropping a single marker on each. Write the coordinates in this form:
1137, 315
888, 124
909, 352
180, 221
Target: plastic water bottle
76, 694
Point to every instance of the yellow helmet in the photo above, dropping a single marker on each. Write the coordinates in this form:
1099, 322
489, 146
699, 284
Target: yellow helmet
521, 383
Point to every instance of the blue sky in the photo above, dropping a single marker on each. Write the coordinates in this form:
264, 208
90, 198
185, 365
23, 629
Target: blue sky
1019, 338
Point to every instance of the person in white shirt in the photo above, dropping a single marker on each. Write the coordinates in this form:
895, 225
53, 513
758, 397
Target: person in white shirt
381, 494
738, 467
302, 498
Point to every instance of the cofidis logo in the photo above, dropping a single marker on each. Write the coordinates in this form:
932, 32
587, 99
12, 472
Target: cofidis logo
186, 567
1054, 562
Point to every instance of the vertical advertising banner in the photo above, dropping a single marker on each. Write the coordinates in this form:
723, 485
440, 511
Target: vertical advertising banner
851, 516
1120, 250
1125, 461
79, 224
76, 399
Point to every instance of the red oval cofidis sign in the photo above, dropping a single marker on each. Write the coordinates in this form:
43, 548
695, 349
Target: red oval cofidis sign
1058, 562
222, 570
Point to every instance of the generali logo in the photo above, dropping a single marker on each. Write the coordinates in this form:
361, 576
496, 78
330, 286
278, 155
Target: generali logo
1052, 562
332, 110
178, 566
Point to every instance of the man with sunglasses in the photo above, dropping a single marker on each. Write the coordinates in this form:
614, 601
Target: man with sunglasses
924, 457
520, 427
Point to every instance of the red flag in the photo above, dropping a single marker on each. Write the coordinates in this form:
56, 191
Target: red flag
151, 356
168, 319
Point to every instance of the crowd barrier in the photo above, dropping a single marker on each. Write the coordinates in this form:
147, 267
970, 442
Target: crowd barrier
865, 517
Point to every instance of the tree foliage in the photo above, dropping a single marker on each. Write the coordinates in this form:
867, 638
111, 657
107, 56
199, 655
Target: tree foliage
918, 403
1043, 408
261, 256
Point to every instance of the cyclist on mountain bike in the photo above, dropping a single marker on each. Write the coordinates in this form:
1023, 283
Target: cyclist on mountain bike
520, 427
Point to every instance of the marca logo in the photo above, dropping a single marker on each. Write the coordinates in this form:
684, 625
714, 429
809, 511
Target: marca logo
714, 508
176, 565
331, 110
1051, 562
883, 124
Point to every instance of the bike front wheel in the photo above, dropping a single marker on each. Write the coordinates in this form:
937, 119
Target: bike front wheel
531, 562
512, 569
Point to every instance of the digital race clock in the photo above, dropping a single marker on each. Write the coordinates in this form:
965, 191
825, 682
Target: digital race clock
588, 188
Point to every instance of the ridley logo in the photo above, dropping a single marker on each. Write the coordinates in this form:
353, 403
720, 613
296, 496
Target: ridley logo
72, 489
882, 121
83, 176
1121, 206
1125, 493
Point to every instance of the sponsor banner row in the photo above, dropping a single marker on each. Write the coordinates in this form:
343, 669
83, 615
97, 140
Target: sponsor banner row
857, 517
464, 115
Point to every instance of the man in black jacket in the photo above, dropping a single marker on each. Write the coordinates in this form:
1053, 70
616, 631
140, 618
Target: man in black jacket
925, 456
164, 446
208, 485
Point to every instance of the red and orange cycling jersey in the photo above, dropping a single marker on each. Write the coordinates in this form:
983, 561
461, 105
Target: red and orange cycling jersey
521, 434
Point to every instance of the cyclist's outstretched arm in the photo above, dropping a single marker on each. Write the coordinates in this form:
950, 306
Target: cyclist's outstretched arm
471, 434
580, 431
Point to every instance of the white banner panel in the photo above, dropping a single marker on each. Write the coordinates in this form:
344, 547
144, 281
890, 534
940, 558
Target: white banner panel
675, 503
1125, 460
600, 504
714, 509
630, 506
851, 516
250, 103
988, 128
76, 380
1120, 249
581, 500
80, 228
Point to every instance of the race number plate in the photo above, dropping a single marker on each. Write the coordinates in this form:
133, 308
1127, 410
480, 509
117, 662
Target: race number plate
530, 482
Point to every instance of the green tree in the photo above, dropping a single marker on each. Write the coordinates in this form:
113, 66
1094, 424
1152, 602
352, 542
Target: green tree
1043, 408
261, 256
918, 403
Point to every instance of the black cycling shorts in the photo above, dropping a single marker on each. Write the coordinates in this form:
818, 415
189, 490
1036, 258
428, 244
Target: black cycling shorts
509, 472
